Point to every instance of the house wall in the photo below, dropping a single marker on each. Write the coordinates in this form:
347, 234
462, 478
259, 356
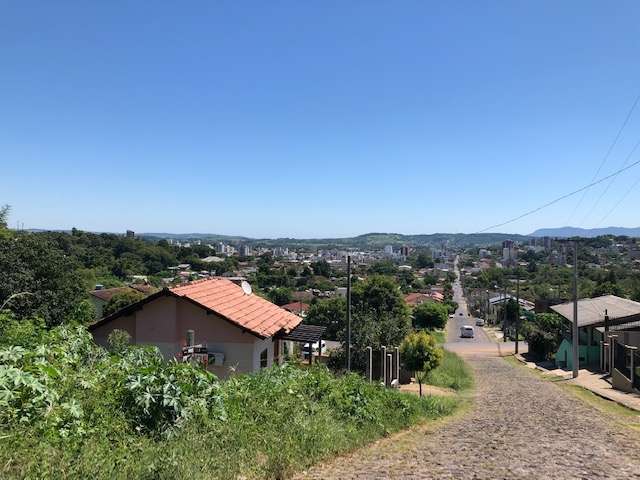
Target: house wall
258, 347
588, 355
164, 323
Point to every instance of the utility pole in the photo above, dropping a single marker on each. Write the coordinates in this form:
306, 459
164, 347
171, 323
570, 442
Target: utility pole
517, 305
504, 314
575, 337
348, 313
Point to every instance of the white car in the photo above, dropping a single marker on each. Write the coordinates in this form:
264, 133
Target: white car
479, 322
466, 331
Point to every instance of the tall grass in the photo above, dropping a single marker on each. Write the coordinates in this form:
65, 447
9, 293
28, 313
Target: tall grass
439, 336
128, 416
452, 373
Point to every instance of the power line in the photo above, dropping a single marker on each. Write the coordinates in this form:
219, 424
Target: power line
606, 156
556, 200
633, 150
626, 194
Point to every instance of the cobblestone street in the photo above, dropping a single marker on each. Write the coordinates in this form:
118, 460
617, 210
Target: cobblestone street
519, 427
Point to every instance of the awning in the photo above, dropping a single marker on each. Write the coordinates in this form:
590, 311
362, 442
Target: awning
304, 333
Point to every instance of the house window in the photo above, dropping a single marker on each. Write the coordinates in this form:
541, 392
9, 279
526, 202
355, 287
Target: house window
263, 358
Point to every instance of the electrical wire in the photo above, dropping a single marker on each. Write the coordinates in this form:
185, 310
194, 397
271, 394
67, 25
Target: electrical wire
560, 198
606, 156
633, 150
626, 194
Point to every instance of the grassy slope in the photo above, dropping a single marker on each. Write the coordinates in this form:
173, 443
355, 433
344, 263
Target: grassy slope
278, 421
452, 373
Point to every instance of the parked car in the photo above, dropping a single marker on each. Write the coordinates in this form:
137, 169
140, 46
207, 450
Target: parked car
479, 322
305, 349
466, 331
451, 315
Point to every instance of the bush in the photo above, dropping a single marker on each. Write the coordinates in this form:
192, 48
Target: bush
71, 409
118, 341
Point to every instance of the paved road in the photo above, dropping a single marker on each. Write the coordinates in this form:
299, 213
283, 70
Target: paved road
519, 427
481, 343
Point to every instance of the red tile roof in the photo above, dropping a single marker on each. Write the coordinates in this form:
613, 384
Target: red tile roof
296, 307
107, 293
229, 300
416, 298
437, 296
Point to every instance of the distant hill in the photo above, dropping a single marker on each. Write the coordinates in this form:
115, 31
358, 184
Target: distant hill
368, 240
586, 232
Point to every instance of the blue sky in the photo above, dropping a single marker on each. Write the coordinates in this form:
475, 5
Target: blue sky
309, 119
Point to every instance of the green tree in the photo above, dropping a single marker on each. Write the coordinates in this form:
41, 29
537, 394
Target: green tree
369, 329
280, 295
447, 291
4, 216
83, 313
424, 261
330, 313
35, 264
383, 267
420, 354
607, 288
543, 334
430, 315
379, 294
121, 300
321, 268
321, 283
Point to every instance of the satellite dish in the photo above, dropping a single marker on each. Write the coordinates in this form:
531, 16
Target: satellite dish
246, 287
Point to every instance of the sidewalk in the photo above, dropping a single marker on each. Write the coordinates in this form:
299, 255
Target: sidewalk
504, 348
592, 381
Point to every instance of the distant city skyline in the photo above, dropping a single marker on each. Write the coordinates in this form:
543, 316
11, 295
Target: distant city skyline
318, 120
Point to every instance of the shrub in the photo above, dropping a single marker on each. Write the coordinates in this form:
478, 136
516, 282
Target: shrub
118, 341
420, 354
72, 409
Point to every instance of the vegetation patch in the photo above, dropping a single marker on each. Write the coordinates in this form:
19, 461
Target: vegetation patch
452, 373
69, 408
